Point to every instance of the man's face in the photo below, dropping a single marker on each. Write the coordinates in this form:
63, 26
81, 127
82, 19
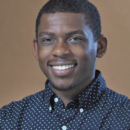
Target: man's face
66, 50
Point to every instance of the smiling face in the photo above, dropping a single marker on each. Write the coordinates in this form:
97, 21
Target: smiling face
66, 50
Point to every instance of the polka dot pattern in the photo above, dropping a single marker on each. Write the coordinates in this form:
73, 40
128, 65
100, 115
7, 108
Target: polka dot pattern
96, 108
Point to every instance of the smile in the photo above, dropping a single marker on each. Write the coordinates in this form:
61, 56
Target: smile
63, 67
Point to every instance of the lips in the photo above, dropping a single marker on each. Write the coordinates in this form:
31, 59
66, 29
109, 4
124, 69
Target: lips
63, 69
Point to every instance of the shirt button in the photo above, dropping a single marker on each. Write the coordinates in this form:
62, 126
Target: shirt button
81, 110
64, 127
56, 99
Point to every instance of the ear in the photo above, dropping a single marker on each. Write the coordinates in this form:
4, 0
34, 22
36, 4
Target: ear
102, 46
35, 48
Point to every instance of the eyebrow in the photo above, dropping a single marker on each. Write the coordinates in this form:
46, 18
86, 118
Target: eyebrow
69, 33
46, 33
76, 32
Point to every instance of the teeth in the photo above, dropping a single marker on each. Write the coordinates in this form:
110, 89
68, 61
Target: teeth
63, 67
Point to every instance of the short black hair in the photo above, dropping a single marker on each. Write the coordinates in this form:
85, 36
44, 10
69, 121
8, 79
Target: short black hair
73, 6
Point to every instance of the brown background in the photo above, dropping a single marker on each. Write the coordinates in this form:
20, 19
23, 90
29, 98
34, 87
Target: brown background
19, 72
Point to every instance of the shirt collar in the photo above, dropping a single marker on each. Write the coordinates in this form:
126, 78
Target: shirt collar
88, 97
93, 92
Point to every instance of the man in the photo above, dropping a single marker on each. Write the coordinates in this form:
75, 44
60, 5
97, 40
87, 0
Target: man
68, 41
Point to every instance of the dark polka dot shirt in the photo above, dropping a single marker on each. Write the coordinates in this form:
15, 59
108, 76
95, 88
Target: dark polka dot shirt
96, 108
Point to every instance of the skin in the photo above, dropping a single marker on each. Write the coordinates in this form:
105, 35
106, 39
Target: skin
66, 39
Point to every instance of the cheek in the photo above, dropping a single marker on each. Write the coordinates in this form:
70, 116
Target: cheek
44, 53
91, 51
82, 52
86, 55
43, 56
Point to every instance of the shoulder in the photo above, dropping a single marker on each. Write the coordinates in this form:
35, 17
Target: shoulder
118, 109
22, 102
119, 103
14, 108
117, 98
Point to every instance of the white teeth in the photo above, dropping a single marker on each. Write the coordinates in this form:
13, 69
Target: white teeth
63, 67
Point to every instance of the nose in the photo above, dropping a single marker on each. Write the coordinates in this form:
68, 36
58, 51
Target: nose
61, 49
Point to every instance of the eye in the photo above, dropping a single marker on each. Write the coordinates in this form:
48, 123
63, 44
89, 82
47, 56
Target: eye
48, 41
75, 40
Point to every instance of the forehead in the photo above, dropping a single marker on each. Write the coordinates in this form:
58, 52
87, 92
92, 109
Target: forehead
62, 24
62, 20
